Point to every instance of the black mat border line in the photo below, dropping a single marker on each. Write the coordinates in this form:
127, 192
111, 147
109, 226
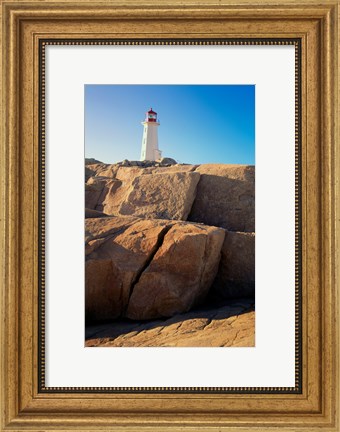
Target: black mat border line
298, 237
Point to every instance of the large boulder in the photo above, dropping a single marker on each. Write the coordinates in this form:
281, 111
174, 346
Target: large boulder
180, 274
225, 197
117, 249
161, 196
236, 274
154, 192
147, 268
165, 161
96, 190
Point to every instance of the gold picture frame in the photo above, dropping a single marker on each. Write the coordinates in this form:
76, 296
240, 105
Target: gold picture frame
25, 404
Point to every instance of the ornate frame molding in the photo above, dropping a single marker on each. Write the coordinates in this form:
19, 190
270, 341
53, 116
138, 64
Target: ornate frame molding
25, 26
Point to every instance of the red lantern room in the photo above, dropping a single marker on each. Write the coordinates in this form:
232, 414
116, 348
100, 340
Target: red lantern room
151, 116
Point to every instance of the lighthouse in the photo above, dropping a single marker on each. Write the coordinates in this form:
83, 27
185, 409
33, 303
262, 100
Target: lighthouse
150, 149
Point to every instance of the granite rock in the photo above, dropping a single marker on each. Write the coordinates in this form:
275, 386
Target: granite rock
225, 197
236, 274
180, 273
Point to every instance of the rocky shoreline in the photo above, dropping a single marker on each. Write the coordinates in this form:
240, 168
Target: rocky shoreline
162, 241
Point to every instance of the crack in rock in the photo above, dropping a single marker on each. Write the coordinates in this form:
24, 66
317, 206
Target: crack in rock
159, 243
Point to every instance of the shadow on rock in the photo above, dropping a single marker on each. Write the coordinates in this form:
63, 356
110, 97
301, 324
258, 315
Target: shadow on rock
212, 325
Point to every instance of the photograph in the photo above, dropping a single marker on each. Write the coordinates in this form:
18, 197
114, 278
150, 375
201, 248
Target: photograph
169, 215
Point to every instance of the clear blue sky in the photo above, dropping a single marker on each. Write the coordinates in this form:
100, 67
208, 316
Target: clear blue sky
198, 123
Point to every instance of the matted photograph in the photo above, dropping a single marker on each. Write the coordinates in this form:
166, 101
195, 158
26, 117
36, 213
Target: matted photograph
169, 215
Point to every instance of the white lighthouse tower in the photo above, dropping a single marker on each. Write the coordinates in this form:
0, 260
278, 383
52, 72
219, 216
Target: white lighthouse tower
150, 149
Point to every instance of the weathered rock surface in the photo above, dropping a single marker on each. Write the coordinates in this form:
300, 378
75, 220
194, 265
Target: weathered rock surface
97, 168
217, 195
180, 274
116, 251
108, 171
91, 161
236, 274
96, 189
135, 168
225, 197
88, 173
108, 189
128, 174
89, 213
103, 227
144, 193
161, 196
170, 169
231, 325
147, 268
102, 170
